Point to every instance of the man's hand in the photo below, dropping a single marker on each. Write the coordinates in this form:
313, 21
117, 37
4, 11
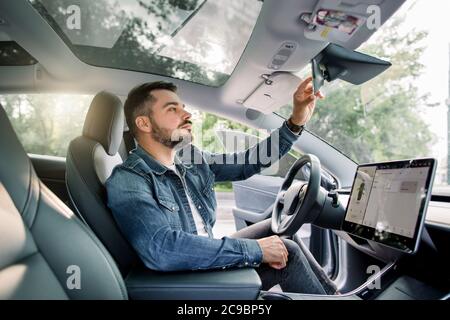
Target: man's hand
274, 252
304, 102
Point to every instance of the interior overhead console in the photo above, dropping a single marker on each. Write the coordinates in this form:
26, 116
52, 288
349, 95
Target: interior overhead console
282, 55
275, 91
337, 21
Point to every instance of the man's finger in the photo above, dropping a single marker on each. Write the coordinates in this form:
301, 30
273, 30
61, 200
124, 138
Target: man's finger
277, 266
308, 89
285, 250
303, 85
310, 99
284, 256
319, 95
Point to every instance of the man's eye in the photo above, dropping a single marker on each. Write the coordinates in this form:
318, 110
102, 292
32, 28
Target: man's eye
172, 109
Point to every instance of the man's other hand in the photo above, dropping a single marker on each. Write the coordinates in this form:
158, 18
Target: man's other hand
274, 252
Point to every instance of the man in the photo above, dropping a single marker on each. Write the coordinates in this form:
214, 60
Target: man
166, 207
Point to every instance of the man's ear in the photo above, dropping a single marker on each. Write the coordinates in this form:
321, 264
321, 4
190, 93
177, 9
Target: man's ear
143, 124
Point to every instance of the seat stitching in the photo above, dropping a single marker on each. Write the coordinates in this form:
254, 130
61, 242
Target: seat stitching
27, 201
38, 201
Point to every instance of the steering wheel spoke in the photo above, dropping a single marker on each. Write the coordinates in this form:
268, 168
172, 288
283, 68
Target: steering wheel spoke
286, 221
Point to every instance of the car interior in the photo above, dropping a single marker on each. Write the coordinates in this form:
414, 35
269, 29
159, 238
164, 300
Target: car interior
378, 227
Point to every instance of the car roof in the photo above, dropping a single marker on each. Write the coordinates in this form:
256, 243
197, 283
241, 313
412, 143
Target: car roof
279, 22
59, 69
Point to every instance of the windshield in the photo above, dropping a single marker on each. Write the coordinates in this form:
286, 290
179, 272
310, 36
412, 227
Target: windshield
195, 40
403, 113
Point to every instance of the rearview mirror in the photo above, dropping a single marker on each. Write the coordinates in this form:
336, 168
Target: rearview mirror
336, 62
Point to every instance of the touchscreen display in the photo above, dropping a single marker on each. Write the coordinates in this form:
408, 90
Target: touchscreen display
388, 201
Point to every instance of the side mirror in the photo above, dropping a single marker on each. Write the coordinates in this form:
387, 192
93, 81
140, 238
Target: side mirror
336, 62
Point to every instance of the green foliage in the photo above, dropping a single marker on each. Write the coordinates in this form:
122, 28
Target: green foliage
46, 124
379, 120
137, 48
223, 186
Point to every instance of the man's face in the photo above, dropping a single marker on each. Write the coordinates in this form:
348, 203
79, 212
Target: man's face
170, 123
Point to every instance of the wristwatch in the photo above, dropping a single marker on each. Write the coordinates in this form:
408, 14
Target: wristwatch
294, 127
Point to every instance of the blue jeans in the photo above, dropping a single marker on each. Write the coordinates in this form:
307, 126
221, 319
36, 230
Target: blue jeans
298, 276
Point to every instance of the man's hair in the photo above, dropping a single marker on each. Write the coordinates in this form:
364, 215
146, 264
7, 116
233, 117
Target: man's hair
136, 103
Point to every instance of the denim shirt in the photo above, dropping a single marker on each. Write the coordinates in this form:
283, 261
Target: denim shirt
150, 204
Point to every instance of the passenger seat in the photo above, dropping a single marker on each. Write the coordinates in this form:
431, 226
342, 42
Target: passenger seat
46, 252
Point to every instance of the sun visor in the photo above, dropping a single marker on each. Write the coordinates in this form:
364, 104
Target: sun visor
338, 21
274, 92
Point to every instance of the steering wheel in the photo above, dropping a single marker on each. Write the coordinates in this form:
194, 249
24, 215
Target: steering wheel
300, 202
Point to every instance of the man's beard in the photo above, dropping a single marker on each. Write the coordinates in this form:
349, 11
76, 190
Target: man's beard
171, 139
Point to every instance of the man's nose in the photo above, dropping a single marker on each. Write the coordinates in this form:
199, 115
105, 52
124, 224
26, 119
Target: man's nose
187, 115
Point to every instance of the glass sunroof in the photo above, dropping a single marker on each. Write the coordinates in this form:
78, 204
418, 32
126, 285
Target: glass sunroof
195, 40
